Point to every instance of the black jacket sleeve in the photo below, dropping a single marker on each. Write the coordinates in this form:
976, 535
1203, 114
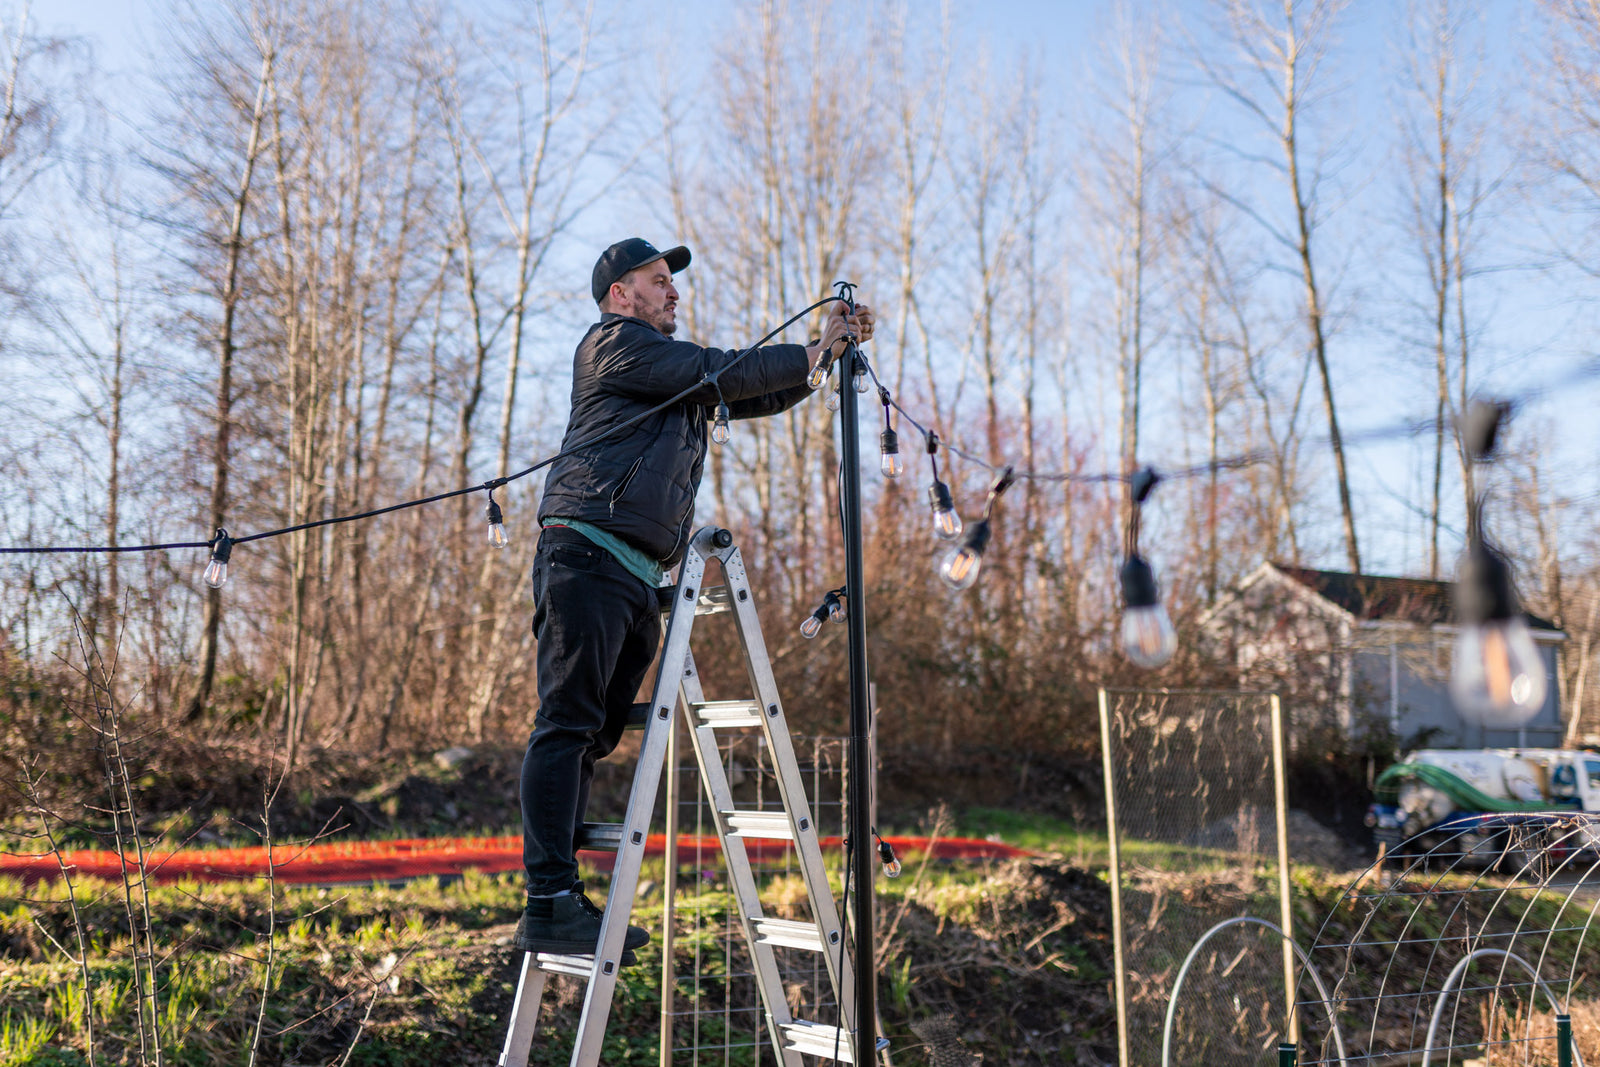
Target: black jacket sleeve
769, 403
642, 363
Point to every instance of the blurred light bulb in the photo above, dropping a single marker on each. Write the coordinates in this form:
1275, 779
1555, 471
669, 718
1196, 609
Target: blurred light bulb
836, 608
497, 528
720, 431
833, 396
960, 568
1498, 676
216, 572
812, 624
861, 381
892, 464
946, 521
1148, 638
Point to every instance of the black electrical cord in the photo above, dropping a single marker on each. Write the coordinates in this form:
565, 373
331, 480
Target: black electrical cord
1394, 431
1408, 428
491, 484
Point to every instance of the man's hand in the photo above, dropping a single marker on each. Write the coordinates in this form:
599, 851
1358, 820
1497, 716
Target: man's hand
840, 324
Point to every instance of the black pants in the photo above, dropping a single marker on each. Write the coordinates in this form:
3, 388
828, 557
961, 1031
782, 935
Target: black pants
598, 627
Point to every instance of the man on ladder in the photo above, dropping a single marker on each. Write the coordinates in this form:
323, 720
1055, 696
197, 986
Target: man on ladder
614, 517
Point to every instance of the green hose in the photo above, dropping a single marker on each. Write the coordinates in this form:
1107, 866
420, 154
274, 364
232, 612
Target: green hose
1464, 794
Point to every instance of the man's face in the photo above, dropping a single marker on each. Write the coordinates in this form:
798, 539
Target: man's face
650, 295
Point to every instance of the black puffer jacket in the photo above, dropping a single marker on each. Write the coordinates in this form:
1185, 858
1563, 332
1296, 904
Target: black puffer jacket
640, 484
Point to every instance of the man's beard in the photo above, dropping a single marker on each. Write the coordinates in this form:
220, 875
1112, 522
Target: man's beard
662, 322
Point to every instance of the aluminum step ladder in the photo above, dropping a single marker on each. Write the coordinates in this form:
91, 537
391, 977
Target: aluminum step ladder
678, 684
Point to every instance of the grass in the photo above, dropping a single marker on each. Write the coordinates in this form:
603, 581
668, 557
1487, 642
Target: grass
1017, 952
424, 972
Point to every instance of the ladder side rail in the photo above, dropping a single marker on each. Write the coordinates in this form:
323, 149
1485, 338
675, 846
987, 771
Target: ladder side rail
525, 1014
636, 824
791, 787
741, 876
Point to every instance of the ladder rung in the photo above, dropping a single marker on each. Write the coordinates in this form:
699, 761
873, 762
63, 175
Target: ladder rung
554, 963
820, 1039
725, 714
600, 836
787, 933
772, 825
714, 600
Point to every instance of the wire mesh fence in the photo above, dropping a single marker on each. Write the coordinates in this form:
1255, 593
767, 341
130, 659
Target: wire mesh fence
1195, 802
713, 1013
1471, 943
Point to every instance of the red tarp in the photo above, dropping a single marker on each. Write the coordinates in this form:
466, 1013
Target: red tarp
387, 861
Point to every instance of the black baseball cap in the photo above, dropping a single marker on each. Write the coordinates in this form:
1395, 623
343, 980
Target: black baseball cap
628, 255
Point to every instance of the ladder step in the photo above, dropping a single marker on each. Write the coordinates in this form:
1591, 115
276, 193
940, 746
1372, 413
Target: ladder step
788, 933
771, 825
575, 966
600, 836
714, 600
820, 1039
725, 714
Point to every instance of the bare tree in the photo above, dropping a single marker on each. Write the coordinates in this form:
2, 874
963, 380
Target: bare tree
221, 234
1280, 48
1442, 142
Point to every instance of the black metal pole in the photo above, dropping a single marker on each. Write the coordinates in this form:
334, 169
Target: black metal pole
859, 794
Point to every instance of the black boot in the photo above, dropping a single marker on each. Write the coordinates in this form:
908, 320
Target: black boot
569, 923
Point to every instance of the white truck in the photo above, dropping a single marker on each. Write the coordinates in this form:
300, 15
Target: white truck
1435, 791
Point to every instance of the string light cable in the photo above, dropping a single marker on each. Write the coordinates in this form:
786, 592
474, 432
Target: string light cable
947, 522
221, 543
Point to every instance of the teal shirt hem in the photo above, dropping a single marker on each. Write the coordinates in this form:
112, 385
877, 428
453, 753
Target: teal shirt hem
641, 566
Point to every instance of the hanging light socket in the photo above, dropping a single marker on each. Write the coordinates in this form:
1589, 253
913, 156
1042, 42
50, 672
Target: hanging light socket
1148, 638
497, 526
216, 572
892, 464
946, 521
1497, 676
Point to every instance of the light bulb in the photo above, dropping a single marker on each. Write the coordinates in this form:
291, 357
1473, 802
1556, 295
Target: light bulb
812, 625
861, 381
216, 572
1148, 638
946, 521
833, 396
497, 527
836, 608
1147, 634
720, 432
1498, 676
961, 566
892, 464
819, 374
891, 862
